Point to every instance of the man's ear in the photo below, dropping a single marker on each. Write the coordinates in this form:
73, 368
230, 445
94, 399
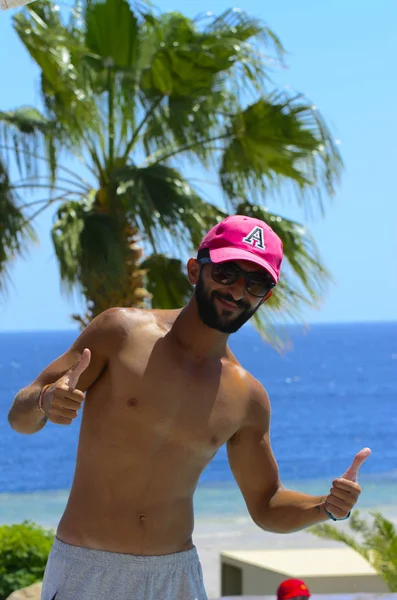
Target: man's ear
193, 271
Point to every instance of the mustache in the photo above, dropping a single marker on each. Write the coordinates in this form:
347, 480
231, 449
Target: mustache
229, 298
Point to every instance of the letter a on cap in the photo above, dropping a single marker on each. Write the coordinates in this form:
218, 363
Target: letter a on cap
255, 238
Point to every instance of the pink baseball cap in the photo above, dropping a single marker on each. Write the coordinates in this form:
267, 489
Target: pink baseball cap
244, 238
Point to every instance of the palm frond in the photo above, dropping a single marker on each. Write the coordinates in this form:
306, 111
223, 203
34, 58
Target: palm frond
29, 131
182, 121
277, 140
66, 233
160, 202
193, 69
235, 22
104, 253
303, 277
58, 51
329, 532
90, 245
112, 38
124, 86
378, 543
15, 232
166, 281
256, 47
111, 34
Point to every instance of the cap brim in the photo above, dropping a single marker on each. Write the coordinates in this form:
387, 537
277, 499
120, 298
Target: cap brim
294, 594
219, 255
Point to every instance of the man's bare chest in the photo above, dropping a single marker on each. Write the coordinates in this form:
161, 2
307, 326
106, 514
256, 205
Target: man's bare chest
183, 404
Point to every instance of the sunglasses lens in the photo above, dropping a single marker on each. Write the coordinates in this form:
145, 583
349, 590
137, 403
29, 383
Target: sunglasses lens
258, 286
224, 274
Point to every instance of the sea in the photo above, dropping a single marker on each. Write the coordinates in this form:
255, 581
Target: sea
333, 391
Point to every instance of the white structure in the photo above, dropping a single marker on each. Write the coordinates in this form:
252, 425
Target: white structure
324, 570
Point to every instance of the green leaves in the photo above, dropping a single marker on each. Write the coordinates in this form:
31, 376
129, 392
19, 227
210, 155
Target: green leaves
24, 550
111, 33
197, 70
275, 140
90, 243
376, 542
191, 59
303, 277
166, 281
65, 82
28, 120
14, 229
66, 237
163, 205
27, 131
134, 95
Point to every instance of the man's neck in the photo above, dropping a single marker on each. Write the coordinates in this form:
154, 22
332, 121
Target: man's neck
198, 340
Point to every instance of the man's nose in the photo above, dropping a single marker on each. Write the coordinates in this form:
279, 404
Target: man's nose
237, 289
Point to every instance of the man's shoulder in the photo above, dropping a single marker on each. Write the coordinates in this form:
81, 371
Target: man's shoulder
118, 318
258, 403
258, 392
255, 391
256, 413
114, 327
117, 323
125, 322
256, 398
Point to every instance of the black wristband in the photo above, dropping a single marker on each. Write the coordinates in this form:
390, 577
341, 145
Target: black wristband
332, 516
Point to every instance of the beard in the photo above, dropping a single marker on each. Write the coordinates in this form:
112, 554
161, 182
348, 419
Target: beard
209, 315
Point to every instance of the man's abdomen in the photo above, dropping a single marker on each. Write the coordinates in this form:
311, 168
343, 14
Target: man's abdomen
126, 526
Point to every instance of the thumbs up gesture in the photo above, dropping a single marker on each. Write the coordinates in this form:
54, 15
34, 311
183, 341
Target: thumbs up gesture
345, 490
60, 401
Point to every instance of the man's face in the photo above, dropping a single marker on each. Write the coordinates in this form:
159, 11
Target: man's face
225, 307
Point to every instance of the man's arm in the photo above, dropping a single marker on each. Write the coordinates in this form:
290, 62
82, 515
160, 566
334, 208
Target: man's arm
100, 337
255, 469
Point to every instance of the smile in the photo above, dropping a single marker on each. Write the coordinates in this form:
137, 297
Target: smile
227, 304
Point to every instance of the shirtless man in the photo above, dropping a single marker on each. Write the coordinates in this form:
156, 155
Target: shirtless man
163, 393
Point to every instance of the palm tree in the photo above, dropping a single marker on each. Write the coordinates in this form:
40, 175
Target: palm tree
378, 545
137, 97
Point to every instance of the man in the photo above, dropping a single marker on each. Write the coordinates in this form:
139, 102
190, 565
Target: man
163, 394
293, 589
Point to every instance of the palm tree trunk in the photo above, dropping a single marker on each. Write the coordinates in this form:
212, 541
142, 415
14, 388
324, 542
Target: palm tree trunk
130, 291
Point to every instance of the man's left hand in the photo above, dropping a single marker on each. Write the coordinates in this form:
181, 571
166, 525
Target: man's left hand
345, 490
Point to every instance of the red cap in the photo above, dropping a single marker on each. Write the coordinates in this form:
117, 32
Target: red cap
292, 588
244, 238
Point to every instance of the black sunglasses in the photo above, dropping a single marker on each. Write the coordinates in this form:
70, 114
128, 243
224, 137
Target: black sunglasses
227, 273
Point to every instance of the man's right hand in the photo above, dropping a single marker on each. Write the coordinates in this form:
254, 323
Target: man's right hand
61, 401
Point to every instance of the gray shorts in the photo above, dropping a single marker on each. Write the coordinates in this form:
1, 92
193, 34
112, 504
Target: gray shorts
75, 573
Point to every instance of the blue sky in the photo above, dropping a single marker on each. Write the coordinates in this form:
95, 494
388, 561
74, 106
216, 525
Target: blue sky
342, 56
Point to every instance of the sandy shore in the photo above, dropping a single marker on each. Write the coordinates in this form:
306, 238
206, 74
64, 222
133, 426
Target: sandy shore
212, 537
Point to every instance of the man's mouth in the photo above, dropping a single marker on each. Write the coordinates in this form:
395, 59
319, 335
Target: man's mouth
227, 303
